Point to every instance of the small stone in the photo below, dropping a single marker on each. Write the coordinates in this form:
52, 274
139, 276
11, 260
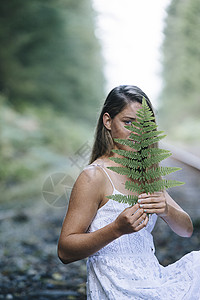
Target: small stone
31, 272
20, 217
57, 276
82, 289
9, 296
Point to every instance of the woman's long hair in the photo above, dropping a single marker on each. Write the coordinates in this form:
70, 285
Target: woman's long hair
115, 102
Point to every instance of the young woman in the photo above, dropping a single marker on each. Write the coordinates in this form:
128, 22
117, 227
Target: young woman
117, 238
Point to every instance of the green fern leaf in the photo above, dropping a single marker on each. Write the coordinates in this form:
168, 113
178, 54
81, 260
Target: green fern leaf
129, 144
143, 119
156, 186
130, 199
152, 152
141, 164
138, 125
136, 137
119, 170
129, 154
127, 171
172, 183
148, 125
156, 151
133, 186
148, 162
130, 163
155, 173
152, 141
167, 170
151, 134
134, 129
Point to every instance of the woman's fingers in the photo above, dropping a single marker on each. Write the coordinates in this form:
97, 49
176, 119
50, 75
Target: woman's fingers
138, 218
153, 203
131, 220
143, 224
133, 209
155, 194
142, 220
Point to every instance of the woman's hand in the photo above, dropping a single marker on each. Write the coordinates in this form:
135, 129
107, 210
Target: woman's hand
132, 219
154, 203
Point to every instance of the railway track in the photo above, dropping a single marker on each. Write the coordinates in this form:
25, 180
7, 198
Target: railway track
186, 195
183, 156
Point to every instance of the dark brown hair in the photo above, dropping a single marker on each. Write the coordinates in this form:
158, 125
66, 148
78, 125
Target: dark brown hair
115, 102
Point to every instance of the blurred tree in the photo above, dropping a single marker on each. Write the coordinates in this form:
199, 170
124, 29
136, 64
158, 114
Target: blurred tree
180, 97
49, 54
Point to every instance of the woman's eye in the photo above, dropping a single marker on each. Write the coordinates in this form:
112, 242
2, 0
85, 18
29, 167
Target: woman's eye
128, 122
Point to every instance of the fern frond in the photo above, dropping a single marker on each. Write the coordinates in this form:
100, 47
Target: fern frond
128, 143
141, 164
172, 183
133, 186
148, 162
151, 134
136, 137
142, 154
168, 170
153, 127
152, 141
156, 151
130, 163
155, 186
155, 173
128, 172
145, 113
130, 199
148, 124
119, 170
133, 129
152, 152
144, 128
160, 185
129, 154
142, 118
136, 124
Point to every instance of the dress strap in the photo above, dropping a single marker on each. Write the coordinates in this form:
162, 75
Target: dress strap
106, 174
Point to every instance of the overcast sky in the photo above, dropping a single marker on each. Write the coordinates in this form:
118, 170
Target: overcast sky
130, 32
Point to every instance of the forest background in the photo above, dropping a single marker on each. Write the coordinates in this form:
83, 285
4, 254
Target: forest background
52, 86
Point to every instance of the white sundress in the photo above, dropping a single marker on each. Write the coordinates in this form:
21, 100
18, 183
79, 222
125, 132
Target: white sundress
127, 268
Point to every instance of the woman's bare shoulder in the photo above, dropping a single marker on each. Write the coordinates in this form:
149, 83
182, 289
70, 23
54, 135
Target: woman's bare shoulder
92, 174
91, 182
85, 200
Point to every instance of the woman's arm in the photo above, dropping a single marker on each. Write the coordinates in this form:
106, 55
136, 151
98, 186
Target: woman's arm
74, 242
166, 208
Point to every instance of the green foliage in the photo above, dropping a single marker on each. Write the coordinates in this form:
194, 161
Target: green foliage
49, 54
124, 199
51, 83
179, 99
35, 144
141, 163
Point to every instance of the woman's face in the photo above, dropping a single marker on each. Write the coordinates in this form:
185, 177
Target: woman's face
125, 117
